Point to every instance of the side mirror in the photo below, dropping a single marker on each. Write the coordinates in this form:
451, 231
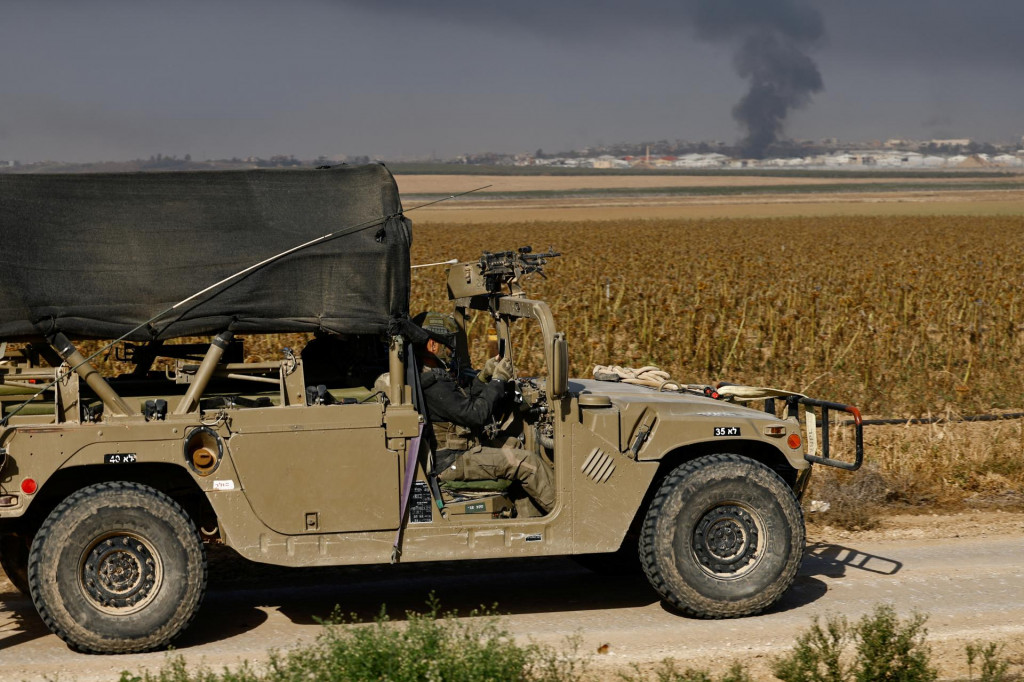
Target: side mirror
559, 379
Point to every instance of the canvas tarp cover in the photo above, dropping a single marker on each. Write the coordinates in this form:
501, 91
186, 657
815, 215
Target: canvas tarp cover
93, 256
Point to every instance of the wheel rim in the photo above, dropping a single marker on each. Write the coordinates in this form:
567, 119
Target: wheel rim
120, 572
727, 539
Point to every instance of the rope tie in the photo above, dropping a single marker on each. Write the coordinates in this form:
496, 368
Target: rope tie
648, 375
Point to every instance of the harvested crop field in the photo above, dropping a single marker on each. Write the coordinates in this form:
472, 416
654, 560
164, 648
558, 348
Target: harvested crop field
905, 304
901, 315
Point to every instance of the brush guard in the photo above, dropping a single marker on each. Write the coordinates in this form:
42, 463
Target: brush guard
792, 403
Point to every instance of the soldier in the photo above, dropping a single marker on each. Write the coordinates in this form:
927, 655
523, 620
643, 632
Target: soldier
458, 416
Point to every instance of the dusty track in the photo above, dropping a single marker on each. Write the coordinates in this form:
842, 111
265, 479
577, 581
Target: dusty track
965, 571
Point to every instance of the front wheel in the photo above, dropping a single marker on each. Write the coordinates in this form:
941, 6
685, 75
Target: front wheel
723, 537
117, 567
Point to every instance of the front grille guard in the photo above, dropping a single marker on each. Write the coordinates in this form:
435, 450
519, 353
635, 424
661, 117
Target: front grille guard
792, 409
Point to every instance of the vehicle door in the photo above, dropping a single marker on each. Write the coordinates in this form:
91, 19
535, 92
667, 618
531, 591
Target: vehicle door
318, 468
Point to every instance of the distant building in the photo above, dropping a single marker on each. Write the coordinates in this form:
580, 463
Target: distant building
1007, 160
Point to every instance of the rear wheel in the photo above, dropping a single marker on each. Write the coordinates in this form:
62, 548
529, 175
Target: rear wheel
723, 537
14, 559
117, 568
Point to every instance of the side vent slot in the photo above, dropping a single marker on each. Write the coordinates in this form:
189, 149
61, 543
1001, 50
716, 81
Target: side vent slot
598, 466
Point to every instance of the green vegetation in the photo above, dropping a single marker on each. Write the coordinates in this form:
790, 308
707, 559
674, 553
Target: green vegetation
666, 671
435, 646
887, 649
429, 646
994, 668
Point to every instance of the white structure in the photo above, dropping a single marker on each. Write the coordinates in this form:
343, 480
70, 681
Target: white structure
1007, 160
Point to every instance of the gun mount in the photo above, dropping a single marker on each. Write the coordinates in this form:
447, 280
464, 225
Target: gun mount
495, 271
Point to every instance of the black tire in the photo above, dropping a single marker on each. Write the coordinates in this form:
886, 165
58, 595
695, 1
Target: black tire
14, 559
723, 537
117, 567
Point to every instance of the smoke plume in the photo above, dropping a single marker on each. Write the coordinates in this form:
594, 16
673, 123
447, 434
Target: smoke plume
781, 78
774, 36
771, 38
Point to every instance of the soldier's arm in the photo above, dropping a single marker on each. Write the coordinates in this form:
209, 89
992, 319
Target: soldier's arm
473, 410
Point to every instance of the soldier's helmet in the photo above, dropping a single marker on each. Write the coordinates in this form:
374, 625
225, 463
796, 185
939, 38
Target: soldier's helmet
439, 326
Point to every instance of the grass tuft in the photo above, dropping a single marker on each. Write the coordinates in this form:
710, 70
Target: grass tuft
429, 646
887, 649
993, 667
666, 671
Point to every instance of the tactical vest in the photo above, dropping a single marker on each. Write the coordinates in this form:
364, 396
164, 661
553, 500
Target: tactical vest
448, 436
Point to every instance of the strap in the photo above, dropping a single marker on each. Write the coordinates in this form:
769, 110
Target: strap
410, 473
412, 378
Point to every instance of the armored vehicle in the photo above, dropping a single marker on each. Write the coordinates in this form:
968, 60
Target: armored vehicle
112, 486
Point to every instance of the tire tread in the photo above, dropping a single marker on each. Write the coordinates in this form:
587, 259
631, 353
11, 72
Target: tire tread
107, 645
648, 533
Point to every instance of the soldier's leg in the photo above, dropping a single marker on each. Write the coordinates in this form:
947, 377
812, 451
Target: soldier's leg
527, 508
508, 463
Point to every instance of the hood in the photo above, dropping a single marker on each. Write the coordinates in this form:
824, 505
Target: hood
669, 402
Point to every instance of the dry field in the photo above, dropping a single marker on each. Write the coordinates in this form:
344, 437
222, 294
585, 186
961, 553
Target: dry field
901, 305
627, 198
451, 184
902, 314
625, 209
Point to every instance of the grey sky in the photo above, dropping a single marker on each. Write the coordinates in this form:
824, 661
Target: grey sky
110, 80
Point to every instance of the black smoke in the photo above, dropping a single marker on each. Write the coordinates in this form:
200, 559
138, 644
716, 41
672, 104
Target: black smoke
781, 78
773, 39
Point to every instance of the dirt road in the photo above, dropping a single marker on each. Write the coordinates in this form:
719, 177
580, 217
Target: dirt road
965, 571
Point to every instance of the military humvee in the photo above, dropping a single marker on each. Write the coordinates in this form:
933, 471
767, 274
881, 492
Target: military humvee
110, 487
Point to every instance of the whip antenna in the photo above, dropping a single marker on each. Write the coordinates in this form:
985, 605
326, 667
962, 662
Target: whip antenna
450, 261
